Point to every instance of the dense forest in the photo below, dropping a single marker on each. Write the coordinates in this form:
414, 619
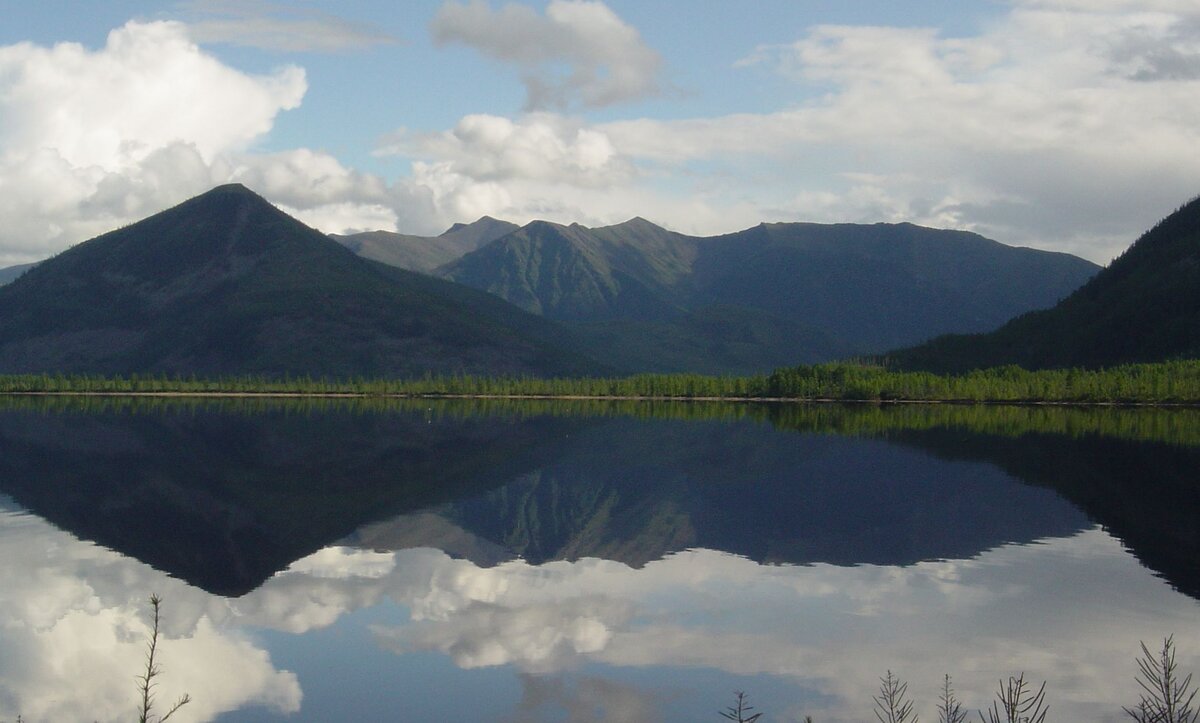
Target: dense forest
1174, 382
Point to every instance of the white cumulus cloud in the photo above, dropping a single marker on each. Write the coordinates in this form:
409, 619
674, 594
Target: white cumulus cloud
1061, 124
92, 139
1069, 610
537, 147
76, 621
580, 51
149, 87
1065, 125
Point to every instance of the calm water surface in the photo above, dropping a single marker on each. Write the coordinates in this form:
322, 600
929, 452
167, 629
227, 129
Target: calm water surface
457, 562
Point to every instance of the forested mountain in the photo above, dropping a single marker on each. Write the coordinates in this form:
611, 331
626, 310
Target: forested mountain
226, 283
1144, 307
880, 285
770, 295
425, 253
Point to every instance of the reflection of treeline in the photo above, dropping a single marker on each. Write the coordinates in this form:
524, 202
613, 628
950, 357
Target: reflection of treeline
1162, 383
1174, 426
433, 408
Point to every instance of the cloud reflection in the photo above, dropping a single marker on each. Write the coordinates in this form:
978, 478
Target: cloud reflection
73, 618
1071, 611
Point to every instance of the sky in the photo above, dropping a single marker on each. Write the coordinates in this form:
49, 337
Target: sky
1068, 125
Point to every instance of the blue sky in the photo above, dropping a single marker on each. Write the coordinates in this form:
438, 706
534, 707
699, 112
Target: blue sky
1062, 124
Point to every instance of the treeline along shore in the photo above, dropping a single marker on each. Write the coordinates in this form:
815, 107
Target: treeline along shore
1165, 383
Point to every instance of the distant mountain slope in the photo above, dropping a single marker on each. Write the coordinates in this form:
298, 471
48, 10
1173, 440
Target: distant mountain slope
664, 301
1143, 307
227, 283
877, 286
10, 274
425, 253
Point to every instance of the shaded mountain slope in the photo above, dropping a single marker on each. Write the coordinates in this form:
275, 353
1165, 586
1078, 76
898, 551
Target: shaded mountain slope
425, 253
1144, 307
226, 283
881, 285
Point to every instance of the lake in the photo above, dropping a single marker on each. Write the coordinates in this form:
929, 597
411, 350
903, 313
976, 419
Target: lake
503, 561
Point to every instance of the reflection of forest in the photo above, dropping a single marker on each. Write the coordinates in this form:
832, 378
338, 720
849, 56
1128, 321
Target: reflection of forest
225, 494
1179, 425
225, 497
1144, 493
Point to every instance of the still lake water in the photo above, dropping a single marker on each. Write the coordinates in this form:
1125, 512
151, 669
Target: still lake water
590, 562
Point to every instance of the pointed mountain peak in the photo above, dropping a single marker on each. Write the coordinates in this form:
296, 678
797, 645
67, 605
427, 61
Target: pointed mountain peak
223, 199
227, 283
229, 191
221, 231
230, 188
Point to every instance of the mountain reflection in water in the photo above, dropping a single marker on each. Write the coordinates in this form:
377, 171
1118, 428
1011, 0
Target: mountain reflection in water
534, 565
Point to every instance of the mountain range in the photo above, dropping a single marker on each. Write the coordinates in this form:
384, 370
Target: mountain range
1144, 307
649, 299
225, 283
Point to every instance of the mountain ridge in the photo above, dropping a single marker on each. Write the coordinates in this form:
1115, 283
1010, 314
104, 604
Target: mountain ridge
227, 283
816, 292
635, 295
425, 253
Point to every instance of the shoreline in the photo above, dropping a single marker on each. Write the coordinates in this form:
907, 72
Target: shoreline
598, 398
